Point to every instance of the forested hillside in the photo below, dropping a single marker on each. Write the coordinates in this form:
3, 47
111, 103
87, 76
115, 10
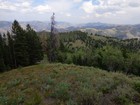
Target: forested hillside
25, 47
107, 53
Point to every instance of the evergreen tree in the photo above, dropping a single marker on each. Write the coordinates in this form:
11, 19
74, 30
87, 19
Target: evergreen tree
2, 65
20, 45
34, 46
11, 50
6, 52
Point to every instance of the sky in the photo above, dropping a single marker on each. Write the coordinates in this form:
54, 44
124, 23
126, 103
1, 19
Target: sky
73, 11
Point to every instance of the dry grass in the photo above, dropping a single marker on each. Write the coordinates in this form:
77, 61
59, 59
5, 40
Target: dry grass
61, 84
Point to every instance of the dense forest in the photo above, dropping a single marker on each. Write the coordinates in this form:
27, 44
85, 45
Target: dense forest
103, 52
19, 48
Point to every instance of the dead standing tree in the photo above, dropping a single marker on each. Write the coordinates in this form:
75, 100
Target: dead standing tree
53, 42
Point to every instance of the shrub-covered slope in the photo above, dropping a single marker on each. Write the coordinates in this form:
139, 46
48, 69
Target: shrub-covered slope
61, 84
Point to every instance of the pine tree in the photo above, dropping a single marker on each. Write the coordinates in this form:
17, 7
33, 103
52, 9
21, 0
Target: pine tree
34, 46
11, 49
6, 52
20, 45
2, 65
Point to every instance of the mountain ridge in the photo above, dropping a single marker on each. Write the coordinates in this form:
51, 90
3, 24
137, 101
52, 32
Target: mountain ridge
113, 30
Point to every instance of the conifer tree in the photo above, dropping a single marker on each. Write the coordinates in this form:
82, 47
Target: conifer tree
2, 65
11, 50
6, 52
34, 46
20, 45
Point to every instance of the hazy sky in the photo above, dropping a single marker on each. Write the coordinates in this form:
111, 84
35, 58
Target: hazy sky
74, 11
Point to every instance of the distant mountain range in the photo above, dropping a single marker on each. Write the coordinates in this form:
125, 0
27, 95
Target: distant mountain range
113, 30
36, 25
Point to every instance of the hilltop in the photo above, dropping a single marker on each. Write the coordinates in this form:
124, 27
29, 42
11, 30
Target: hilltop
62, 84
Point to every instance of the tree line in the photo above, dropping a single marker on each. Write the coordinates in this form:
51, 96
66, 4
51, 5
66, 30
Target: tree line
107, 53
19, 48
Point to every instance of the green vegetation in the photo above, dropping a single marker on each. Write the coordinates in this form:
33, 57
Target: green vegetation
62, 84
107, 53
19, 48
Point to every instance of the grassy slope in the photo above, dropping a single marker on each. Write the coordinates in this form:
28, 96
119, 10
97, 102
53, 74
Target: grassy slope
61, 84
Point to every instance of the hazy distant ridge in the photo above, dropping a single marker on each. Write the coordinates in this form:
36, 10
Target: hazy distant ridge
120, 31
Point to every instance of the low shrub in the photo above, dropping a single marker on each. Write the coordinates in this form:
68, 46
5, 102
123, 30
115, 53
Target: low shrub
61, 91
